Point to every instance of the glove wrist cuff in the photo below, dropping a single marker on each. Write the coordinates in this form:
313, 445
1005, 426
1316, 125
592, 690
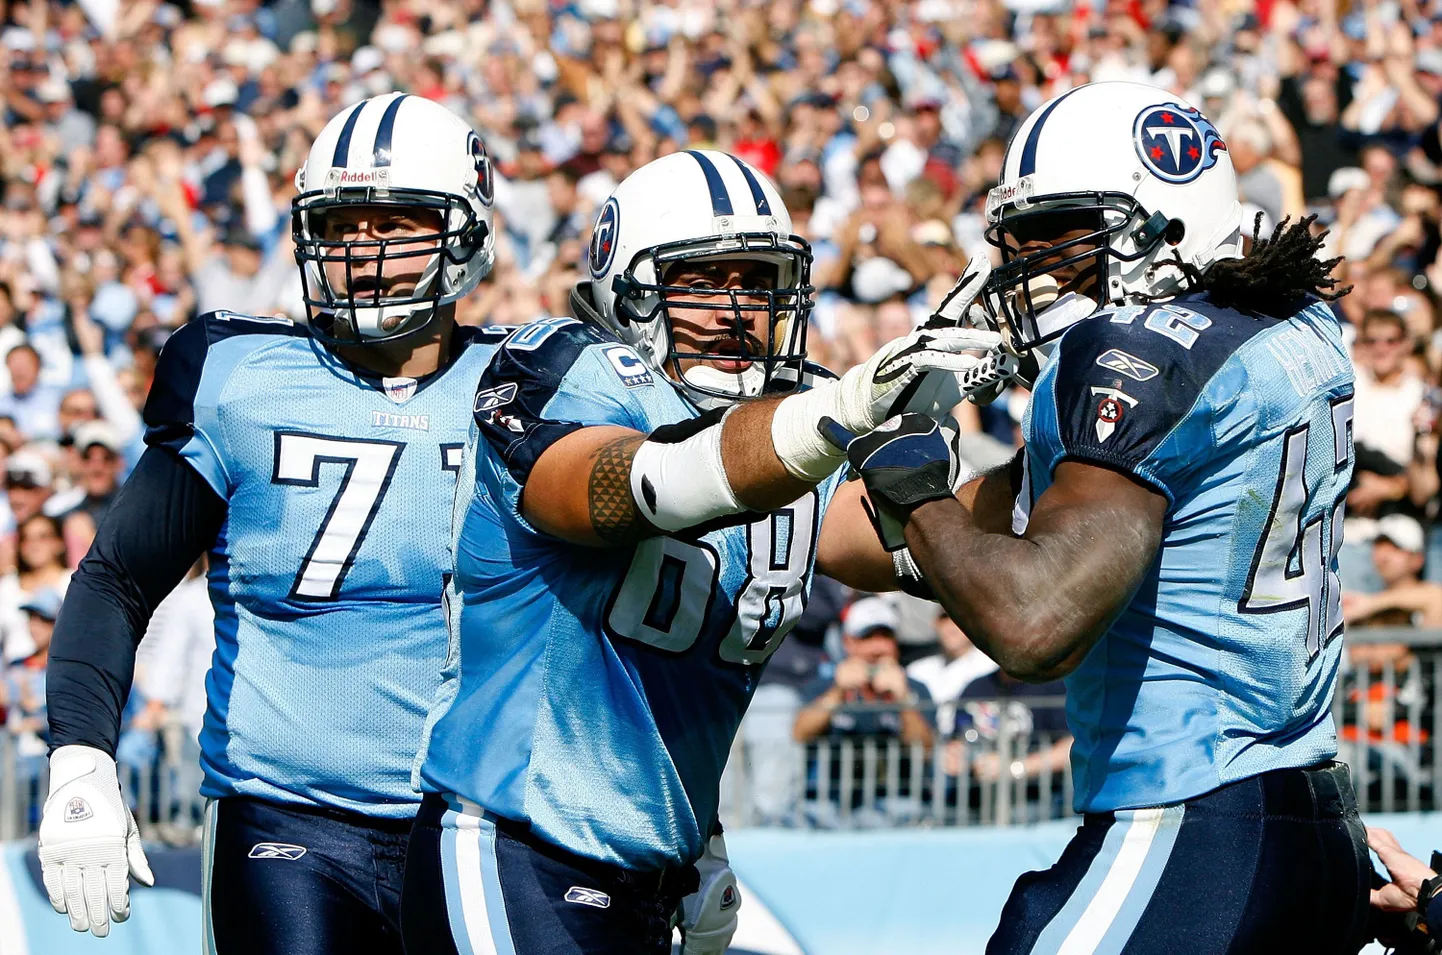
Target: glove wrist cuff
69, 763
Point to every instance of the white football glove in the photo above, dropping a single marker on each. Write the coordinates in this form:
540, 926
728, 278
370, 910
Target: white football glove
960, 307
89, 843
708, 915
869, 394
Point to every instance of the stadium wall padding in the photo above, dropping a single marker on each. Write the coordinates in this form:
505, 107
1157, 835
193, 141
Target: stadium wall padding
907, 892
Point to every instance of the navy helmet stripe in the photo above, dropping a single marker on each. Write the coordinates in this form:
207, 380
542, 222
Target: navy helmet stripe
763, 207
720, 198
385, 132
342, 144
1028, 151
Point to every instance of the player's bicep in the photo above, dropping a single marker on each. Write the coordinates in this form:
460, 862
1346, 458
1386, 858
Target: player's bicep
579, 489
1098, 531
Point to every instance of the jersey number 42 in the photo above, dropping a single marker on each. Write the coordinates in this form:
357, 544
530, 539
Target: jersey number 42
1293, 565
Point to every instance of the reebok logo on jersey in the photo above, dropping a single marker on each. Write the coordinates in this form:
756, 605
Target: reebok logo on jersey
416, 422
595, 898
77, 810
493, 398
276, 850
628, 365
1110, 410
1130, 365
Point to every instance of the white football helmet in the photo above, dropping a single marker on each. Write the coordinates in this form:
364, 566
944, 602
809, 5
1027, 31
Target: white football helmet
692, 206
1136, 176
408, 152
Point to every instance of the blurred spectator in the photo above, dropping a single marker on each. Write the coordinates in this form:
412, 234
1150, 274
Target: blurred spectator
1013, 729
40, 573
34, 405
22, 691
99, 460
867, 702
870, 673
1398, 553
1389, 703
947, 674
171, 665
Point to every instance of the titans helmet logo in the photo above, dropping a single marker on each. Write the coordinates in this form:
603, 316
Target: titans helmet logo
603, 237
1176, 143
485, 173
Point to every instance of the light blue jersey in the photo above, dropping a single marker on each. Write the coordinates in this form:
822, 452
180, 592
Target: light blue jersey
1223, 664
596, 691
328, 573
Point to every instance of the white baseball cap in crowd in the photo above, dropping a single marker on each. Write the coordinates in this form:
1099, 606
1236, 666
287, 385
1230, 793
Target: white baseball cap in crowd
867, 615
1403, 531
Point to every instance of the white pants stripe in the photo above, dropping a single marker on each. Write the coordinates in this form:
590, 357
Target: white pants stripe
207, 863
474, 903
1109, 900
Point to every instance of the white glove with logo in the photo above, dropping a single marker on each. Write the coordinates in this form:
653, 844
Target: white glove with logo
960, 308
869, 394
708, 915
89, 843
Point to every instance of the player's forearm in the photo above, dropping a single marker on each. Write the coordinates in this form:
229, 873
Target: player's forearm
612, 486
756, 474
1034, 605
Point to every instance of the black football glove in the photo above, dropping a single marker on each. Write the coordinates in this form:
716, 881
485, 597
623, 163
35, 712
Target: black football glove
907, 461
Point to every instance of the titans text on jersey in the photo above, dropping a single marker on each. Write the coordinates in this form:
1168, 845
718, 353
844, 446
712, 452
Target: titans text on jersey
327, 575
593, 694
1223, 664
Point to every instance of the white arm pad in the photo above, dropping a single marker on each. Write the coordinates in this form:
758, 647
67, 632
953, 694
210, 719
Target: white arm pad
682, 485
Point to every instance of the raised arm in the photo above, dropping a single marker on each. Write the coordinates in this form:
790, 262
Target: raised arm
591, 478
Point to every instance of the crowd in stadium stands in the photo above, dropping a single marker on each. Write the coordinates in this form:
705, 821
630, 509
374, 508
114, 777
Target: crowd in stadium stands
148, 153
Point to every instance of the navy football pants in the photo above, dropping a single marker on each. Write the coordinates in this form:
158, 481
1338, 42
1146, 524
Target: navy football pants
288, 880
1273, 864
476, 885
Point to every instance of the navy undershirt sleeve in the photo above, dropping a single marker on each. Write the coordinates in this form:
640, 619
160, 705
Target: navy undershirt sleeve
163, 519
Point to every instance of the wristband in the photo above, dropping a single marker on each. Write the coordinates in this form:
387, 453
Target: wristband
806, 455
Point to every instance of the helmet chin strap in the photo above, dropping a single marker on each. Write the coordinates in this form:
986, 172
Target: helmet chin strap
370, 321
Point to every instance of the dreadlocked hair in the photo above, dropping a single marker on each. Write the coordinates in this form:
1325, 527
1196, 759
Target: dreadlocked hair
1276, 278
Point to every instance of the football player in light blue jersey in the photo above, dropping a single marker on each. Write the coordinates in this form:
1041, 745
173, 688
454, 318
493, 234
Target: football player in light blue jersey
315, 464
635, 533
1167, 542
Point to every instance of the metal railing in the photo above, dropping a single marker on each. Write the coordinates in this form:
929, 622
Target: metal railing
163, 789
978, 772
1385, 708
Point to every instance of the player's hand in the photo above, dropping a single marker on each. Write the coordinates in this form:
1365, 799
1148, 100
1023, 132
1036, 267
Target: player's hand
1408, 873
907, 461
708, 915
966, 359
959, 308
89, 843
